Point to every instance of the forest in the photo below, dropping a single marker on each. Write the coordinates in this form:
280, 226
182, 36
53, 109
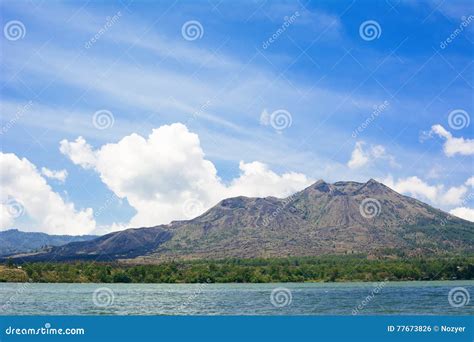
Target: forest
291, 269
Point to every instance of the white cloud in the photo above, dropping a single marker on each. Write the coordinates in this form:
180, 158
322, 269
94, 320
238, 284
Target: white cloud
361, 157
6, 218
453, 145
257, 180
23, 186
160, 173
79, 152
470, 182
463, 212
358, 157
436, 194
59, 175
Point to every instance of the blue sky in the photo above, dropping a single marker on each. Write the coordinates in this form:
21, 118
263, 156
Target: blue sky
227, 86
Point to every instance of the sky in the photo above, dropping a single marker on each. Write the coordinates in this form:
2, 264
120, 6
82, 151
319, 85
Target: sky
136, 113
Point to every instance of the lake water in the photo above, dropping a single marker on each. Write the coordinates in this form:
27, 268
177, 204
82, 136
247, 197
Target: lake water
391, 298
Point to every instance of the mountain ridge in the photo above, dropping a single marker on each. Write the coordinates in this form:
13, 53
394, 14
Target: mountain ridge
344, 217
13, 241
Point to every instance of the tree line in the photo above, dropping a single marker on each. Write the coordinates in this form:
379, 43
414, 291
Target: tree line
292, 269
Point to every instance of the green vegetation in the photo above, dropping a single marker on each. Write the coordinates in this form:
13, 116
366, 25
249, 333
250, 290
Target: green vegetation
301, 269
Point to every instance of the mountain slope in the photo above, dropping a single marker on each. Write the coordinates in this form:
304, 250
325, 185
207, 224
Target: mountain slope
322, 219
344, 217
15, 241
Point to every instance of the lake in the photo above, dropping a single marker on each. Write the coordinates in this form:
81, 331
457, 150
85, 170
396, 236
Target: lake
384, 298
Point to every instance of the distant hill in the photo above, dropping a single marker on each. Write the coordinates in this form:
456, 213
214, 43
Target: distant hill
14, 241
338, 218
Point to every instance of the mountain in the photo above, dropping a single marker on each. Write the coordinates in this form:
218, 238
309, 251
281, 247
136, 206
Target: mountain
338, 218
14, 241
